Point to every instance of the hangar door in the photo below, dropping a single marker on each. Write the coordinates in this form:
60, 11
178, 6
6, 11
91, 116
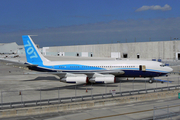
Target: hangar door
115, 55
84, 54
142, 68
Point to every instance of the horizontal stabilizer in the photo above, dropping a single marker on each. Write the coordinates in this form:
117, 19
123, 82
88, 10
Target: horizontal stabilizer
32, 65
13, 62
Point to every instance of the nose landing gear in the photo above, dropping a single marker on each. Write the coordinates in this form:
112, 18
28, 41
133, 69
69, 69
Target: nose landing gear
151, 80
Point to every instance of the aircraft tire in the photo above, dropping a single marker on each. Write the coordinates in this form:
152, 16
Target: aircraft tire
151, 81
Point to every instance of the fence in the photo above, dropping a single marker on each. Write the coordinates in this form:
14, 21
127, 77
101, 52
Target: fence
70, 93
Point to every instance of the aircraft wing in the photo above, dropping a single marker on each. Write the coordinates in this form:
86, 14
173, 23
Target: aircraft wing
83, 77
62, 74
113, 72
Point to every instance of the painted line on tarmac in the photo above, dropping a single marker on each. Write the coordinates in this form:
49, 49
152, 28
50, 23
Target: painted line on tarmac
130, 113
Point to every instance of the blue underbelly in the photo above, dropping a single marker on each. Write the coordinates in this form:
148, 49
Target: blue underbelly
134, 73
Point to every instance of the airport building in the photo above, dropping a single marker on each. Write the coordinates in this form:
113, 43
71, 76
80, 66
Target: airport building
6, 48
12, 48
169, 50
139, 50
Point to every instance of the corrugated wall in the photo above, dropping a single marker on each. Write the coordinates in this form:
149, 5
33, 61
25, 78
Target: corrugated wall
146, 50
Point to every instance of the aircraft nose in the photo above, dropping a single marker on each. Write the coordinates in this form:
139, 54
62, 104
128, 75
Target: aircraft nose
170, 69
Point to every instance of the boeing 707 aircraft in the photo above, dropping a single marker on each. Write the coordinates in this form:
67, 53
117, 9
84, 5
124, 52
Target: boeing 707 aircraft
81, 72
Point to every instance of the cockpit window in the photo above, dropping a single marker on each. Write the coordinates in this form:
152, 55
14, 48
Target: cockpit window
162, 65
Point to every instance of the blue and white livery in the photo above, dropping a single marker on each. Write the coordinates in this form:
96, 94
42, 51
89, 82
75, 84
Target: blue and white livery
91, 71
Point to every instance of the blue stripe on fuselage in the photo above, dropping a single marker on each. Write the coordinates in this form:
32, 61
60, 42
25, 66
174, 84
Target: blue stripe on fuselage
70, 67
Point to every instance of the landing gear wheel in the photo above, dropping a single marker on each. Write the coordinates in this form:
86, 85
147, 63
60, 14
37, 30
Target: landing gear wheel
151, 81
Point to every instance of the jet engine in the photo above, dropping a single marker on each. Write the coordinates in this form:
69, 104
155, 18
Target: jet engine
77, 80
103, 79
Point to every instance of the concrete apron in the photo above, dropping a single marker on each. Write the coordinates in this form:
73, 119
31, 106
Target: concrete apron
86, 104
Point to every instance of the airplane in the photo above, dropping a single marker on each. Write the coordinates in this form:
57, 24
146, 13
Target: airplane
83, 72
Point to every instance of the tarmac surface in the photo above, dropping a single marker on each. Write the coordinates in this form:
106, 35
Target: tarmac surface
45, 86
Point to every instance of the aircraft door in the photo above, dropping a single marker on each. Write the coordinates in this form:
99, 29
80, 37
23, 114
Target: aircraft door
142, 68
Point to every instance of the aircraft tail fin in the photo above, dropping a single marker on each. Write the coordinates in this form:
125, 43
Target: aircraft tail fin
33, 55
